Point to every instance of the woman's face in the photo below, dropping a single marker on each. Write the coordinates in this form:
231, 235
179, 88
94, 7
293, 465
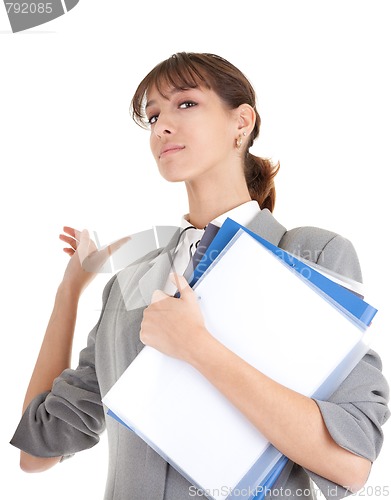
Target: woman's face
192, 133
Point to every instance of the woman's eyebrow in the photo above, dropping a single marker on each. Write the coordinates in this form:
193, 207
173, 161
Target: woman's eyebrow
150, 103
170, 93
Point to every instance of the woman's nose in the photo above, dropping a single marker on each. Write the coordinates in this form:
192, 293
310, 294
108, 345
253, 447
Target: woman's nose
163, 125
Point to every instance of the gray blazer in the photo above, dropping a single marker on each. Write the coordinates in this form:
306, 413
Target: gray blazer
70, 417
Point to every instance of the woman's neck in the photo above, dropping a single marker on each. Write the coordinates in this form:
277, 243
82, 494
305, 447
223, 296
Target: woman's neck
208, 202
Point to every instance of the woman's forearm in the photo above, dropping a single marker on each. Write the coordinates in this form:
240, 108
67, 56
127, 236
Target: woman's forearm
56, 349
54, 356
290, 421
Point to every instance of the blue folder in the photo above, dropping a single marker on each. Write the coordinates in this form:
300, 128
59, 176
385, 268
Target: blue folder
268, 483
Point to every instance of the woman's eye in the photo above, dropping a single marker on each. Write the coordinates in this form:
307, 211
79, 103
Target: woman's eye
187, 104
153, 119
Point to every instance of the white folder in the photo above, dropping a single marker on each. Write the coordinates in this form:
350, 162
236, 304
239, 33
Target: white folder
268, 315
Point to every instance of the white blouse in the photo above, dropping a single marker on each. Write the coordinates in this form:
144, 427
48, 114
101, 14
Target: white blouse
190, 236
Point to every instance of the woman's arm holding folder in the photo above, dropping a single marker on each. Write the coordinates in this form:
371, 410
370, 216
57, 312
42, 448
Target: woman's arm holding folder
292, 422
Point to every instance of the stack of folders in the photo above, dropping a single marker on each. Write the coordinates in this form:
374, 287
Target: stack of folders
285, 318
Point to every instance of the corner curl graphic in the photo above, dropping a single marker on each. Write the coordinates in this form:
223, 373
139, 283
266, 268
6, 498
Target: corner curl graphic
28, 14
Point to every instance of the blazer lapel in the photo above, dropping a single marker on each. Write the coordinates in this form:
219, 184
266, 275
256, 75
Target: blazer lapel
264, 224
155, 278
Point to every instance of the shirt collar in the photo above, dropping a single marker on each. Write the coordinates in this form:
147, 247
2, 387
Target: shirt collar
243, 215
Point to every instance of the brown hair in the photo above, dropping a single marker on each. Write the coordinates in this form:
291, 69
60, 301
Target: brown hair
186, 70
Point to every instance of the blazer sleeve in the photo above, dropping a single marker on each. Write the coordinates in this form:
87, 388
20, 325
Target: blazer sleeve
356, 411
70, 417
354, 415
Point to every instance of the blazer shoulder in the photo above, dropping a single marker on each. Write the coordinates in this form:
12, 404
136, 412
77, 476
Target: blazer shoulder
325, 248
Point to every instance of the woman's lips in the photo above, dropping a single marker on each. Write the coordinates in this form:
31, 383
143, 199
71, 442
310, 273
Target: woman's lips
170, 149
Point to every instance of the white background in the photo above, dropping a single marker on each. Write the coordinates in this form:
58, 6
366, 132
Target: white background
70, 154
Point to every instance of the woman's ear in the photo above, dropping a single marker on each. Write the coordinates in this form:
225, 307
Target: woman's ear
246, 119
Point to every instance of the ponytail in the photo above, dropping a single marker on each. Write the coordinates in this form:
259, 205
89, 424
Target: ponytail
259, 174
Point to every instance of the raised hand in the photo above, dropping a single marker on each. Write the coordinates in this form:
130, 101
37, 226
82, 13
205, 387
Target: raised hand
86, 260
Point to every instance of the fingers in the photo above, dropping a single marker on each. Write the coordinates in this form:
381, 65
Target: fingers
71, 238
91, 258
69, 251
70, 241
72, 232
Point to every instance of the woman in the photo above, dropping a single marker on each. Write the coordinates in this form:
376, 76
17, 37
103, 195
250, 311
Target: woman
202, 114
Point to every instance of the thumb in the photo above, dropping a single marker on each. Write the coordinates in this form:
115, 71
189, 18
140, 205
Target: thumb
116, 245
158, 295
83, 247
182, 285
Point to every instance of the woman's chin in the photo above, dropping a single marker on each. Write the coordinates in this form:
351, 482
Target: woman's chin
171, 176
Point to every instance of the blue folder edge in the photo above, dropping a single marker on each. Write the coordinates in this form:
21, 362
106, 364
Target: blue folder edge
267, 485
271, 479
354, 305
271, 461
